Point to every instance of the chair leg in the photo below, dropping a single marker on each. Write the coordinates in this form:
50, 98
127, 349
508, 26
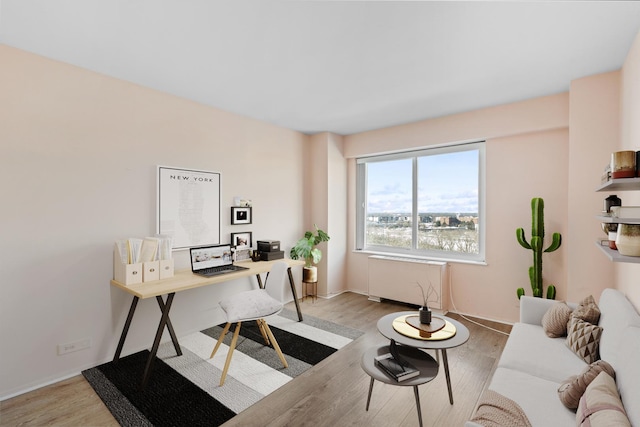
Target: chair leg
232, 347
222, 335
261, 323
275, 344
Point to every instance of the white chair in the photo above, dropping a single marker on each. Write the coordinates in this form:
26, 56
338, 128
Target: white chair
255, 305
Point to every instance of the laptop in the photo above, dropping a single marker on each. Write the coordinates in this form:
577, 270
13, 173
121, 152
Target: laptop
213, 260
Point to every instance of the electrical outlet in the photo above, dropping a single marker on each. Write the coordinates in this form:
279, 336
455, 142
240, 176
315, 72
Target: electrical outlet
74, 346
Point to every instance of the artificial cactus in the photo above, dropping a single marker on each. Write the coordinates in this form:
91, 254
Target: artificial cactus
536, 244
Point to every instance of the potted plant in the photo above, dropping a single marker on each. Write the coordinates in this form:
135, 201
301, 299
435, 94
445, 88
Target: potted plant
306, 249
425, 311
537, 241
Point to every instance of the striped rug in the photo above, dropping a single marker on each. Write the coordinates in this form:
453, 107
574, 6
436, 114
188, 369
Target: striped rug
184, 390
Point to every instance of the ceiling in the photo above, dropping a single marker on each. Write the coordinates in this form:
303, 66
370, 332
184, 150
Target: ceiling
338, 66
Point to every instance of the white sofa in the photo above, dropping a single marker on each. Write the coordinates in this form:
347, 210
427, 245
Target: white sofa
533, 366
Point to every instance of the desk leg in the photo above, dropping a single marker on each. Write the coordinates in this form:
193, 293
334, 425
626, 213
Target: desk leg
125, 329
260, 280
174, 339
295, 294
446, 372
156, 342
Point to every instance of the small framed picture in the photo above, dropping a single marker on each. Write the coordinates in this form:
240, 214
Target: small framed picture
240, 215
241, 240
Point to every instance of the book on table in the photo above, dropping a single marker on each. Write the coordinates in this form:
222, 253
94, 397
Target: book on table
399, 370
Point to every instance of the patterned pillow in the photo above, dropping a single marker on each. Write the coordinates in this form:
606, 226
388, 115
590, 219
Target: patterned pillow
573, 388
554, 321
587, 310
600, 405
583, 339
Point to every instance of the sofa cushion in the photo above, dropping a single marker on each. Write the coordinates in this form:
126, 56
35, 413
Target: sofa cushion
616, 313
532, 394
583, 338
573, 388
600, 405
587, 310
554, 321
628, 373
530, 350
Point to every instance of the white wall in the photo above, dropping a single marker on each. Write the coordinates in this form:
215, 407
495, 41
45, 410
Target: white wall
78, 157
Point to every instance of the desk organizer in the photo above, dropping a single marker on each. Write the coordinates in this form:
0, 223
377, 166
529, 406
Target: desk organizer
131, 274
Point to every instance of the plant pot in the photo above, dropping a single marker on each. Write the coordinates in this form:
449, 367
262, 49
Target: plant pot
628, 239
310, 274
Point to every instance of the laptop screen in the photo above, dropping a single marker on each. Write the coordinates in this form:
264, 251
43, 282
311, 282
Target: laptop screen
210, 256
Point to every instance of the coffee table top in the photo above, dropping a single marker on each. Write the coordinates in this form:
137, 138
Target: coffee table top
385, 327
424, 362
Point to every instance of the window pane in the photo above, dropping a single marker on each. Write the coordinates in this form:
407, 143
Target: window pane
448, 202
389, 204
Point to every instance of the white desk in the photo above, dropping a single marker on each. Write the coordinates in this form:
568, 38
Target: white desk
184, 280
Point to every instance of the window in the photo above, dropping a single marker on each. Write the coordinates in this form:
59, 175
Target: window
426, 203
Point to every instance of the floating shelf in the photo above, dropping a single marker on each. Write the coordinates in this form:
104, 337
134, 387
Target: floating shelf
621, 184
615, 255
616, 220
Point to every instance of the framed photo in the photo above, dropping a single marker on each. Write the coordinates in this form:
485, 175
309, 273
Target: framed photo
188, 206
241, 240
240, 215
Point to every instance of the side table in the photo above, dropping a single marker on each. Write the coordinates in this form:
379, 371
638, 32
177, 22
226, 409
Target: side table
424, 362
385, 327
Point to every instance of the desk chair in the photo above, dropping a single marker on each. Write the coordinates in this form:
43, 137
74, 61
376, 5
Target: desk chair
255, 305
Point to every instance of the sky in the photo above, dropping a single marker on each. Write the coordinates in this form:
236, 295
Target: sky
448, 182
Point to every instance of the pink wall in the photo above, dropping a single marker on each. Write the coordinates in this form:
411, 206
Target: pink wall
628, 275
527, 154
78, 157
594, 134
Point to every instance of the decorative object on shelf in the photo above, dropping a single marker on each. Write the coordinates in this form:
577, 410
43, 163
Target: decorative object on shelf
537, 241
256, 256
628, 239
242, 202
306, 248
610, 229
241, 240
611, 201
623, 164
241, 215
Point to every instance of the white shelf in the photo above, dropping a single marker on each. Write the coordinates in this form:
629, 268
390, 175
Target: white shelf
616, 220
615, 256
621, 184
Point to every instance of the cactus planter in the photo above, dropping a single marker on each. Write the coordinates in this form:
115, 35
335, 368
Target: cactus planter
536, 244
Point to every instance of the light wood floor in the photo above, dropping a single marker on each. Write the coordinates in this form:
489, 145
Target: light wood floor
332, 393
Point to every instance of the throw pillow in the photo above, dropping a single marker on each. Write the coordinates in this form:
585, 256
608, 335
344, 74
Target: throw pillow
554, 321
600, 406
497, 410
587, 310
573, 388
583, 339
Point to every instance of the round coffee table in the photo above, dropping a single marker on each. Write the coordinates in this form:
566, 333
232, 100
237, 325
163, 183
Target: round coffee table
385, 327
424, 362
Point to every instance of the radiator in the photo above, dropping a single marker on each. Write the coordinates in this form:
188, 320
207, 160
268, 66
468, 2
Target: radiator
397, 278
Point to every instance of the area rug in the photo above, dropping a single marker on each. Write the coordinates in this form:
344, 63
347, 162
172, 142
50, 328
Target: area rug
184, 390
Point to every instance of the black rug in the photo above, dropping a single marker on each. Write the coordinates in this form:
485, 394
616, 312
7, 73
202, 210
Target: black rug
184, 391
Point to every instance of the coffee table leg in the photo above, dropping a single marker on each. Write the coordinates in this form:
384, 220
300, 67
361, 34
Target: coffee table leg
446, 373
415, 391
370, 391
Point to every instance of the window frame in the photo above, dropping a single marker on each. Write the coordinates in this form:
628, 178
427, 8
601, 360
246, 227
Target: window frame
413, 252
